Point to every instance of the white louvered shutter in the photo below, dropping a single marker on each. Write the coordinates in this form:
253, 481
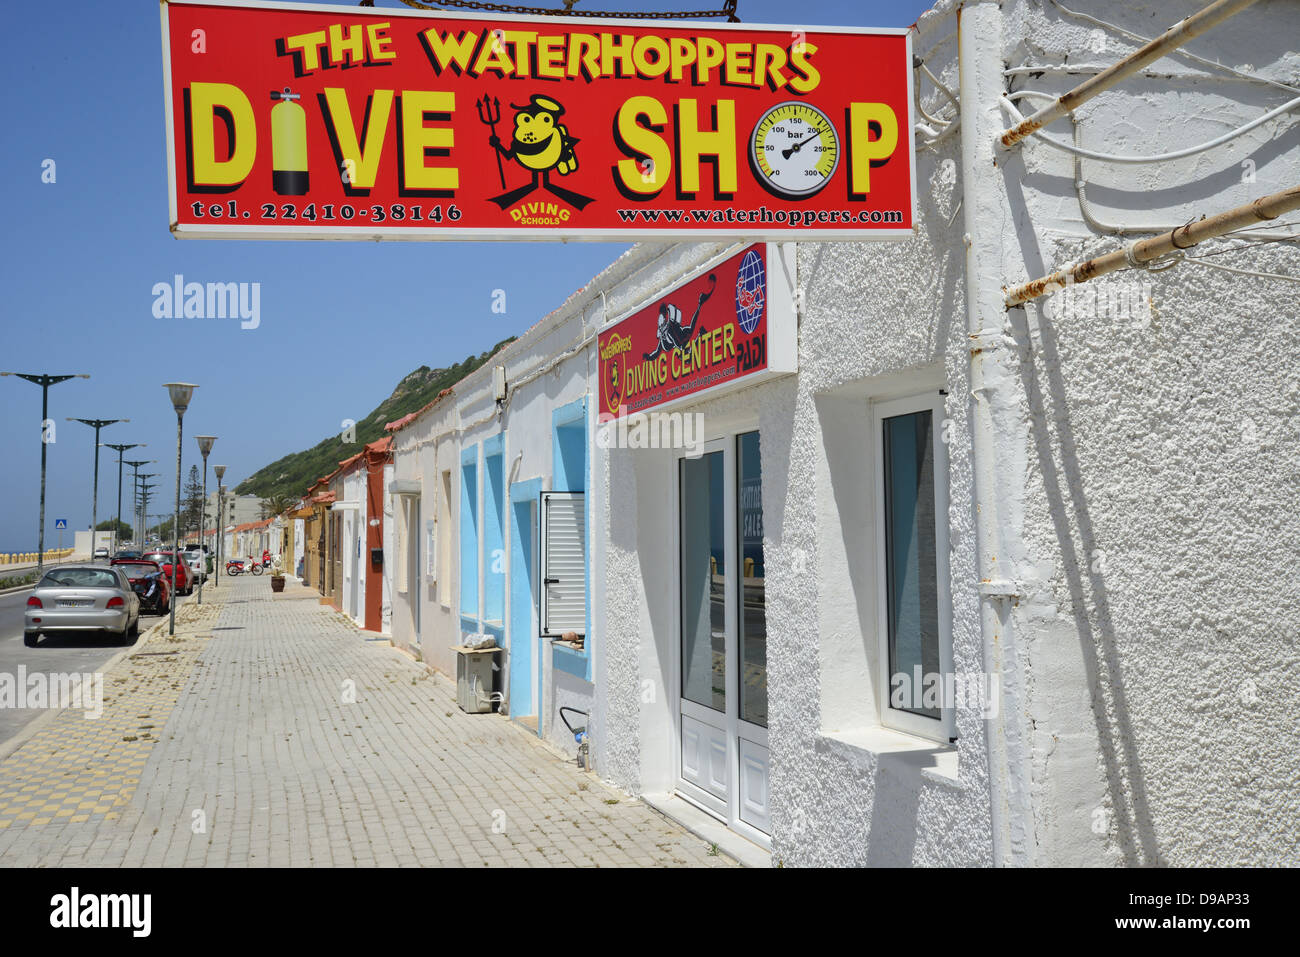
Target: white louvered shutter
400, 546
564, 563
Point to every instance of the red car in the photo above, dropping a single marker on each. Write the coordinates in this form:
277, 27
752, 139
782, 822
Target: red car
137, 571
182, 582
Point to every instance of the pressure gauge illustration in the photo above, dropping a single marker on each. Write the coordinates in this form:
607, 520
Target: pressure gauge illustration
794, 149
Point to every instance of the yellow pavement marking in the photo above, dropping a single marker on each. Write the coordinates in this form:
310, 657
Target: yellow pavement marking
77, 769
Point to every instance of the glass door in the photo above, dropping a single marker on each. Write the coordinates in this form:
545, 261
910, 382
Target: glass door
723, 657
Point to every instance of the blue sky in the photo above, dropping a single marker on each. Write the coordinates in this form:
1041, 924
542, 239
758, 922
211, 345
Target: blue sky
78, 258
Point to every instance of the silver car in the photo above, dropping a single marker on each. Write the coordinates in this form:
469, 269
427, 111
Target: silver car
82, 598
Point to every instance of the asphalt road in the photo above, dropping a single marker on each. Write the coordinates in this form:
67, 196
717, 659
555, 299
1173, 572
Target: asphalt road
72, 653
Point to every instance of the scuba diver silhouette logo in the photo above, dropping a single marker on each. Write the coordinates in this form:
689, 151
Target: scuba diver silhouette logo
614, 387
672, 332
539, 143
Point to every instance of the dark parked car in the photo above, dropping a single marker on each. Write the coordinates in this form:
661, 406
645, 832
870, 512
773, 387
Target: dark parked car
82, 598
125, 554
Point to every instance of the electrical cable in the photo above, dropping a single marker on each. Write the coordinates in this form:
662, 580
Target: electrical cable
1018, 117
1179, 51
1242, 272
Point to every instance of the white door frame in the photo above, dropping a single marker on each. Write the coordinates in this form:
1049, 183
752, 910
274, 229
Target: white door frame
729, 722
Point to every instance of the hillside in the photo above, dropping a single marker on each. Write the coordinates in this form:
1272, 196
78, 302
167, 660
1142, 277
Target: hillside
292, 474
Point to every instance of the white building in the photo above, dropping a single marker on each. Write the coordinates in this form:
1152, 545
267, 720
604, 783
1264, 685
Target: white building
485, 478
970, 585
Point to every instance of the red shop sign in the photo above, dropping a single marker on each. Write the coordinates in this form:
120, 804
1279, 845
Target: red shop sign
302, 121
733, 324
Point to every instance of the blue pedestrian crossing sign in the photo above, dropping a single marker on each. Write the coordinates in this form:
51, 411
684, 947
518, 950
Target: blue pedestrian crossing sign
60, 523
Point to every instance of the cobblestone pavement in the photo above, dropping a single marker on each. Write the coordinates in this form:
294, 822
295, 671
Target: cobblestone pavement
270, 732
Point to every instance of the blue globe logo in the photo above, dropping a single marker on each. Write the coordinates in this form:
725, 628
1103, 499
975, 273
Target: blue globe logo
751, 291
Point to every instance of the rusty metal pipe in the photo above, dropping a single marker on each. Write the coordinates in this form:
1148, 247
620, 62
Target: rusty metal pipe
1145, 250
1171, 39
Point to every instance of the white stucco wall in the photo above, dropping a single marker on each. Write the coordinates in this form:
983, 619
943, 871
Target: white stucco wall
542, 376
1145, 485
1160, 588
1143, 473
384, 513
422, 451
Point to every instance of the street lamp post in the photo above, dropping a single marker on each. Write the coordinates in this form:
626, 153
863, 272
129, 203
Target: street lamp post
45, 381
120, 449
205, 446
180, 393
135, 492
95, 424
220, 471
146, 493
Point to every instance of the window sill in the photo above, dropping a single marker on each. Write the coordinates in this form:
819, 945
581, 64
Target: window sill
569, 658
876, 747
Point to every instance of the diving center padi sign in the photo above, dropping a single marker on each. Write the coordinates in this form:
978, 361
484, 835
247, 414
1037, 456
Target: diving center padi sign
302, 121
733, 324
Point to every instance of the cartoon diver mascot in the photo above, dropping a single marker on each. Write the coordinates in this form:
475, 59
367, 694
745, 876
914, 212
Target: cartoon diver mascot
540, 144
672, 332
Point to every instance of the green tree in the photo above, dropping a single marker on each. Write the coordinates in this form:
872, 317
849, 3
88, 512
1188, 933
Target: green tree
275, 504
123, 529
192, 502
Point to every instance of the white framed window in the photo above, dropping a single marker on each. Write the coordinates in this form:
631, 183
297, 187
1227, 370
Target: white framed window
430, 550
915, 607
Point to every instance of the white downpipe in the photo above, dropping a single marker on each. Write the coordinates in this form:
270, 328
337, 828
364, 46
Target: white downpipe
979, 52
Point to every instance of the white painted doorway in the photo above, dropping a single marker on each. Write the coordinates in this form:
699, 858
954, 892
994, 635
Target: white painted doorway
722, 646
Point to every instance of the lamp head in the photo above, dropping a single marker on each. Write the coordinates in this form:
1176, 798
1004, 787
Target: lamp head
180, 393
220, 471
205, 444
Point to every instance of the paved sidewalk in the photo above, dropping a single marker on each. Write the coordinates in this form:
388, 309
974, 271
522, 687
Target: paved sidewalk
271, 733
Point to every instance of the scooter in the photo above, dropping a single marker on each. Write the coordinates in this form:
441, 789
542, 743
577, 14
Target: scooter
152, 590
236, 567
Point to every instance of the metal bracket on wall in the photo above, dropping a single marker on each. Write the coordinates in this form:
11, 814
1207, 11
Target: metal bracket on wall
1000, 588
986, 340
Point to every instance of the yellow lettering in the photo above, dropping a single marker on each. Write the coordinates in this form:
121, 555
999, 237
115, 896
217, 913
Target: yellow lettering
649, 176
809, 75
205, 100
418, 138
495, 56
616, 47
645, 65
378, 41
711, 54
445, 52
864, 149
365, 162
769, 59
584, 56
696, 143
353, 45
683, 55
550, 58
738, 63
309, 44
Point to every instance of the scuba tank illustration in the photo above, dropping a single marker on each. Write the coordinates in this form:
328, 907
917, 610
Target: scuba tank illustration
288, 145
